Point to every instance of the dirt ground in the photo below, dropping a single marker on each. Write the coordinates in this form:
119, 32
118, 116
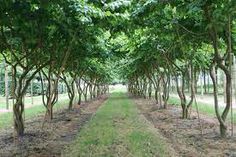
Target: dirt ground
53, 138
185, 135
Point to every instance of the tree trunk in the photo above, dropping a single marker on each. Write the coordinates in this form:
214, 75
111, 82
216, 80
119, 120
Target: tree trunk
150, 90
18, 109
181, 94
94, 91
166, 90
51, 96
49, 112
22, 85
208, 85
71, 102
31, 92
156, 96
91, 91
160, 93
201, 83
71, 94
204, 81
227, 71
6, 86
98, 91
79, 101
185, 112
86, 93
223, 128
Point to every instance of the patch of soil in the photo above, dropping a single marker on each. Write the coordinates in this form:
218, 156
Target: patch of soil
53, 138
185, 135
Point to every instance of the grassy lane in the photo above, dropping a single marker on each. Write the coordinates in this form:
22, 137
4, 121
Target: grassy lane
117, 129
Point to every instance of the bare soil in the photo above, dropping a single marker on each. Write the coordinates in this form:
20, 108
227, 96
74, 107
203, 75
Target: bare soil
53, 138
185, 135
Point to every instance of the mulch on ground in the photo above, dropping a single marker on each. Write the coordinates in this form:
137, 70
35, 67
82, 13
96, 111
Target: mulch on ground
53, 138
185, 135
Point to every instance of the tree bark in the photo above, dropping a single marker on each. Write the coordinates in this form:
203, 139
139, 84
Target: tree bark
18, 109
6, 86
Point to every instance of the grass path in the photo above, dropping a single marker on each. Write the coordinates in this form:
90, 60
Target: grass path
117, 129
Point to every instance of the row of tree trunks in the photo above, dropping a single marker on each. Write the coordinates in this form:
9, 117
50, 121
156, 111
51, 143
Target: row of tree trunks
203, 82
49, 86
146, 86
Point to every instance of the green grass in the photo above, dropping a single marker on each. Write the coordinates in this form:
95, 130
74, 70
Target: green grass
203, 108
117, 129
37, 100
6, 119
